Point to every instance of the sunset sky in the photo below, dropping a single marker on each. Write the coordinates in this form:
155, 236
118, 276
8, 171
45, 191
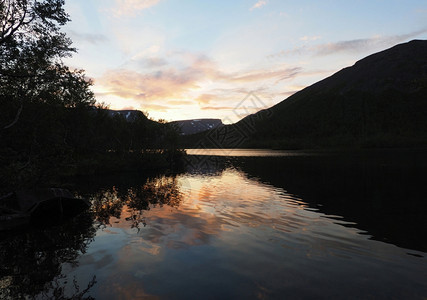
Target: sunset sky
185, 59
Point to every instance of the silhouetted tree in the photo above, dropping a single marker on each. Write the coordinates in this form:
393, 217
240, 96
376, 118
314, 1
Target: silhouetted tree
48, 119
31, 51
36, 87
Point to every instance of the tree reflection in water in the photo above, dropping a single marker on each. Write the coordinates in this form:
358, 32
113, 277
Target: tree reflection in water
158, 191
31, 262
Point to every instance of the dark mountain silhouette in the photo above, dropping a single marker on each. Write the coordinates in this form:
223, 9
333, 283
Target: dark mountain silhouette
187, 127
381, 101
128, 114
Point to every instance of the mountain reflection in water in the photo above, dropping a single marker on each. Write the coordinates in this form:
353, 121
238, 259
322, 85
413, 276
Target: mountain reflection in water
297, 226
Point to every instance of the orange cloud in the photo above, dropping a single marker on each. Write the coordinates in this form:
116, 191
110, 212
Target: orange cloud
182, 80
128, 108
206, 98
217, 107
157, 107
180, 102
152, 86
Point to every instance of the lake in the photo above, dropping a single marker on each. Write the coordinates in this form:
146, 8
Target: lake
241, 224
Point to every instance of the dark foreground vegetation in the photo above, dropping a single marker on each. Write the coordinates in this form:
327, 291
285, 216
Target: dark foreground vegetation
50, 125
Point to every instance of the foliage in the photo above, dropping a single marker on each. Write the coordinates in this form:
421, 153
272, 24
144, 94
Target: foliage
31, 52
49, 124
133, 201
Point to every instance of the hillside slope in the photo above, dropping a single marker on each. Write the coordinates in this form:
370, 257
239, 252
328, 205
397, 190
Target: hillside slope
381, 101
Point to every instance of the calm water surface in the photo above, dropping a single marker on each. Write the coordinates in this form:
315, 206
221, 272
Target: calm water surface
246, 152
292, 227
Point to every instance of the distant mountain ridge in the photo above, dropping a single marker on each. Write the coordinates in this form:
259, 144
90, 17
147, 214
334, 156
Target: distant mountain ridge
380, 101
129, 114
193, 126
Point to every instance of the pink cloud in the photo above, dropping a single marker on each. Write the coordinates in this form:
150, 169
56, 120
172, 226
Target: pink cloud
156, 85
170, 82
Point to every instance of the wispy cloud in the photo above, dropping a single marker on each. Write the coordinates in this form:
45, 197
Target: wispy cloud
157, 107
169, 82
151, 86
259, 4
359, 45
180, 102
132, 7
350, 46
258, 75
152, 62
217, 108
